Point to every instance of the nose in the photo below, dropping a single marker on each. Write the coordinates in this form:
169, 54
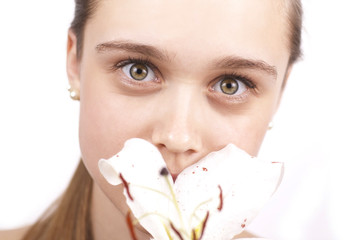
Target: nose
178, 132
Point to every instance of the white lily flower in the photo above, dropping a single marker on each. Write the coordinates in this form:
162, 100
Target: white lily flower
214, 199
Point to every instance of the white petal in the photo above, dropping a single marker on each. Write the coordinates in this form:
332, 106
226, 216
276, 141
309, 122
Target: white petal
137, 157
246, 183
251, 239
140, 163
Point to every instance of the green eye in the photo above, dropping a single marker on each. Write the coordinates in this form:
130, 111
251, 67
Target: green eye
138, 71
229, 86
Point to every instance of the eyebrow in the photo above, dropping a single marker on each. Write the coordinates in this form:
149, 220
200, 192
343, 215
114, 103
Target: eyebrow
229, 62
143, 49
234, 62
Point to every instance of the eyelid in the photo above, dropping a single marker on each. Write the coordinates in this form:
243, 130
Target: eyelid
131, 60
242, 78
250, 84
120, 64
233, 99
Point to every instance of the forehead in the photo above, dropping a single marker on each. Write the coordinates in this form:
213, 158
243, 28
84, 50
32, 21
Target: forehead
251, 28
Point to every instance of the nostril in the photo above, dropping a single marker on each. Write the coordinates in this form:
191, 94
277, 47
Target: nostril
177, 157
176, 140
160, 146
176, 149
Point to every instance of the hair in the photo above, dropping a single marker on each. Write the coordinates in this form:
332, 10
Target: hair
294, 20
69, 217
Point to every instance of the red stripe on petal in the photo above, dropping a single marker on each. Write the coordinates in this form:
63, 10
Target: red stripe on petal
221, 199
126, 185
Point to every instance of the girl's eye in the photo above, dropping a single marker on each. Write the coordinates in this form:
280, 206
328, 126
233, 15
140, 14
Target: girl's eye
230, 86
138, 72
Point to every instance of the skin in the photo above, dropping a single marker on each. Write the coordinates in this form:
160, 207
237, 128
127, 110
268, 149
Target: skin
180, 111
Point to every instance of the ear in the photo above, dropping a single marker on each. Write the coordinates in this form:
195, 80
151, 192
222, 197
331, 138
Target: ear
72, 62
286, 77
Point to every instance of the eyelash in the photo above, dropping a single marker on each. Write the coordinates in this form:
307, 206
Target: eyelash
131, 60
242, 78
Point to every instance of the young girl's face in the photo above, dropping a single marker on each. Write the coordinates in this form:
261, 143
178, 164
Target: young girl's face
188, 76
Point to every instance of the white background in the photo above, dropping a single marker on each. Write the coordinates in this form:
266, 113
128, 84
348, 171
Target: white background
316, 132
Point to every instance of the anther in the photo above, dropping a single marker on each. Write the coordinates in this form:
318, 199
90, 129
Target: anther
176, 231
193, 235
130, 226
164, 172
204, 225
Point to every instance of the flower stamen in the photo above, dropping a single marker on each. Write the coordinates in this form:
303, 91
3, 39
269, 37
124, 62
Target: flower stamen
176, 231
126, 185
193, 235
153, 190
164, 172
193, 215
168, 232
204, 225
136, 221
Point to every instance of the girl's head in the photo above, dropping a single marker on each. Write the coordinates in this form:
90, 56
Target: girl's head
188, 76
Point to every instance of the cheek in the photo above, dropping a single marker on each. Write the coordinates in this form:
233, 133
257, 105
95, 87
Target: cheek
103, 129
107, 120
247, 128
246, 132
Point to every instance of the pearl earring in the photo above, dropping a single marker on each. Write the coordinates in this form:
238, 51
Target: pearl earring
74, 94
271, 125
